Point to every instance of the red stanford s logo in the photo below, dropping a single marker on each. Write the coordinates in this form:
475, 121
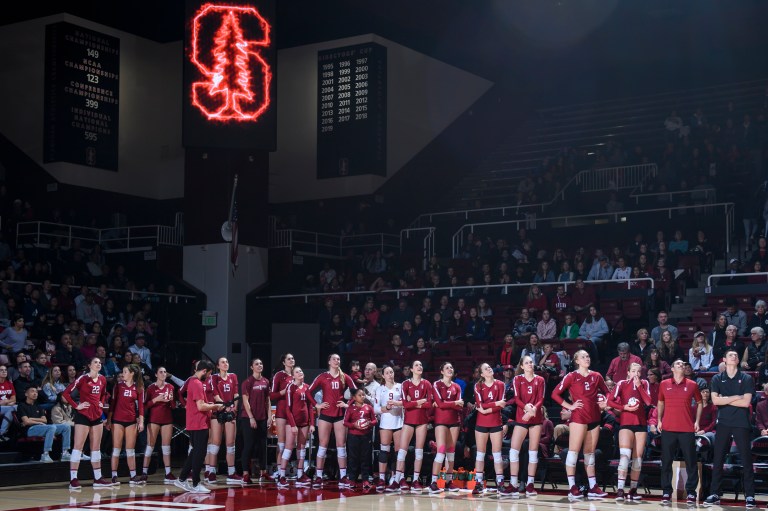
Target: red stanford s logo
234, 77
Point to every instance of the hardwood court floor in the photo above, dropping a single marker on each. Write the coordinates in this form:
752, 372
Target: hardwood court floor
157, 497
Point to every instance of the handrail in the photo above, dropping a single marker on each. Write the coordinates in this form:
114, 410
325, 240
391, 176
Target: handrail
428, 242
737, 275
506, 287
706, 191
575, 179
616, 178
324, 244
458, 236
111, 290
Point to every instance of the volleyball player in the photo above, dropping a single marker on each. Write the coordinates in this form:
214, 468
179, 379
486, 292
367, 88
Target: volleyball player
333, 383
300, 412
280, 381
359, 420
226, 389
529, 398
388, 404
417, 400
92, 390
124, 421
255, 418
159, 403
447, 422
489, 400
584, 387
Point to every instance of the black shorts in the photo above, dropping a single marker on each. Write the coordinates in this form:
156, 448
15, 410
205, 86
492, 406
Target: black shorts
635, 428
392, 430
488, 429
332, 420
414, 426
161, 423
124, 424
592, 425
526, 426
456, 425
85, 421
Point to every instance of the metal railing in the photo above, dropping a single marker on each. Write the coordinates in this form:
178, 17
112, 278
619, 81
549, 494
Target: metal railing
736, 276
427, 243
707, 194
616, 178
113, 239
411, 291
134, 294
728, 210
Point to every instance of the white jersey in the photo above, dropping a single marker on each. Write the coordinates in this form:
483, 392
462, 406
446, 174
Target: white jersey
392, 418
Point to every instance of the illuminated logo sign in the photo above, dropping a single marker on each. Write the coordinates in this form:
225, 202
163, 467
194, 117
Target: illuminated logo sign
235, 77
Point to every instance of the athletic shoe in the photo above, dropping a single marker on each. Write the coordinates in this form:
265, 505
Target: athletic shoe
183, 485
211, 479
416, 487
84, 457
691, 499
303, 481
66, 456
404, 486
633, 495
74, 485
620, 494
46, 458
143, 478
666, 498
115, 481
367, 486
394, 487
136, 481
381, 484
169, 478
575, 493
282, 483
200, 489
712, 500
434, 489
317, 483
750, 503
596, 493
345, 483
478, 489
103, 483
247, 479
508, 490
235, 479
530, 490
449, 486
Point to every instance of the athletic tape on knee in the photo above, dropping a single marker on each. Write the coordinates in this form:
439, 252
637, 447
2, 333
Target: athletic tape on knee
383, 456
450, 456
131, 453
401, 454
213, 449
231, 449
148, 451
166, 450
321, 452
341, 452
589, 459
637, 464
571, 458
287, 454
480, 456
76, 456
439, 458
116, 452
496, 457
514, 455
419, 453
533, 456
95, 456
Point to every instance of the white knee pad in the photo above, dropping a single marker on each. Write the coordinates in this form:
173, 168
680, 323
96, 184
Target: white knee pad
166, 450
480, 456
589, 459
533, 456
116, 452
95, 456
401, 454
440, 457
131, 453
624, 455
148, 451
213, 449
450, 457
321, 452
286, 454
419, 454
496, 457
341, 452
384, 448
514, 455
571, 458
76, 456
230, 449
637, 464
280, 446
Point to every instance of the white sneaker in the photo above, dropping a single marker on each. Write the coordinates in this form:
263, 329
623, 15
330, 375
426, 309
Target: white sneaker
200, 489
46, 458
66, 456
85, 457
182, 484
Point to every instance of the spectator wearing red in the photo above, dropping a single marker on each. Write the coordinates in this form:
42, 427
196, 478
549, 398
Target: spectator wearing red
583, 297
536, 302
619, 366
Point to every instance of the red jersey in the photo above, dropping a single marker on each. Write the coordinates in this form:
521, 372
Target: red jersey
623, 394
585, 388
209, 389
300, 407
258, 397
677, 404
333, 391
93, 392
446, 413
226, 387
413, 392
280, 381
355, 413
528, 392
487, 396
7, 390
125, 400
160, 412
196, 420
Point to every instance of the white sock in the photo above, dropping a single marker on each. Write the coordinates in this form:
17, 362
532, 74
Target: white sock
479, 477
133, 473
592, 482
499, 480
530, 480
398, 476
342, 472
114, 473
299, 472
167, 470
414, 478
97, 473
513, 480
633, 484
73, 474
319, 473
434, 478
281, 471
620, 484
571, 481
207, 468
230, 470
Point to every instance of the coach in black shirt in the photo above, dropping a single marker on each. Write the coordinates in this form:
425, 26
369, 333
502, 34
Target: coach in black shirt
732, 392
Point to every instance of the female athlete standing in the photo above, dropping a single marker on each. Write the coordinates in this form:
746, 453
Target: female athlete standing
388, 404
333, 383
584, 386
255, 418
447, 396
92, 389
489, 400
226, 389
280, 381
125, 422
417, 399
300, 412
159, 401
529, 396
631, 397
